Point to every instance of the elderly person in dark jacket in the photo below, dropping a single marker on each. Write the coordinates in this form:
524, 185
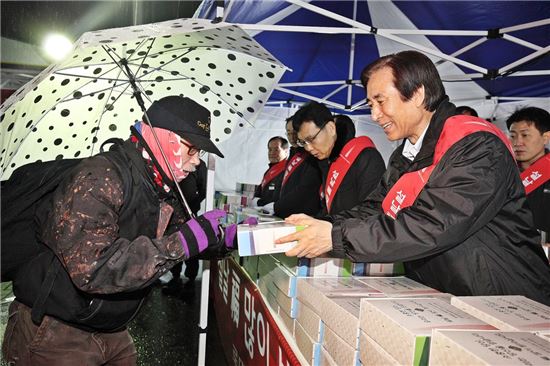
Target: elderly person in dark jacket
351, 166
451, 204
110, 230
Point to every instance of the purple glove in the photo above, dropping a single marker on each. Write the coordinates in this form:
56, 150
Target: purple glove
198, 233
231, 232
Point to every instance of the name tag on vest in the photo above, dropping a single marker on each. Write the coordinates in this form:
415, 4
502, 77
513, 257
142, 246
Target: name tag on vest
536, 175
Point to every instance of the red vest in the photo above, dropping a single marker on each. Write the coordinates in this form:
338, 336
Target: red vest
537, 174
274, 171
405, 191
296, 160
341, 165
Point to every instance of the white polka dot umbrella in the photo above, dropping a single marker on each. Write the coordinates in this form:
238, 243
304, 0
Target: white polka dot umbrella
70, 108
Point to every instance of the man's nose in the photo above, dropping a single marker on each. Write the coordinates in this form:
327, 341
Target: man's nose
376, 114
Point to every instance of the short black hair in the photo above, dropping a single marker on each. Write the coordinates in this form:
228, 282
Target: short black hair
411, 70
344, 123
469, 110
537, 116
313, 111
284, 142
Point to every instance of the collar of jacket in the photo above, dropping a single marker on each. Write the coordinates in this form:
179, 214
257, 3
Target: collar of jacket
144, 167
444, 110
344, 134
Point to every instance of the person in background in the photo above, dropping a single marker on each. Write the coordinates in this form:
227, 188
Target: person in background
450, 206
344, 125
301, 181
194, 190
268, 190
530, 133
351, 167
106, 241
468, 111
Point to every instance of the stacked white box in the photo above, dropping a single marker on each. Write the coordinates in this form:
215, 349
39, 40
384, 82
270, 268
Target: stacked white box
507, 312
287, 321
313, 291
341, 352
310, 321
402, 326
260, 239
378, 269
326, 358
471, 348
398, 286
287, 304
310, 349
337, 267
372, 354
341, 316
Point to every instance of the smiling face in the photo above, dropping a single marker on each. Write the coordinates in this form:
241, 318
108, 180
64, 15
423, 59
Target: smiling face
528, 142
399, 119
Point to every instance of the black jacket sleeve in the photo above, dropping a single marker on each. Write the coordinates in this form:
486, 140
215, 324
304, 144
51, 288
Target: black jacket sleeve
463, 194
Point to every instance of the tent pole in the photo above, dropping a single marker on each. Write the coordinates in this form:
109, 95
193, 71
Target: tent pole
524, 59
351, 56
514, 28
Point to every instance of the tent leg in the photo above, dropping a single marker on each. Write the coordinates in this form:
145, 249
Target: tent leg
203, 320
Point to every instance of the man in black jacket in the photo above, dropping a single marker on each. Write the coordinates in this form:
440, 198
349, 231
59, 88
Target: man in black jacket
269, 188
351, 166
108, 232
530, 133
299, 191
451, 204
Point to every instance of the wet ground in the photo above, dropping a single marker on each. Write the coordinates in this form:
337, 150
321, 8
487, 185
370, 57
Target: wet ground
166, 331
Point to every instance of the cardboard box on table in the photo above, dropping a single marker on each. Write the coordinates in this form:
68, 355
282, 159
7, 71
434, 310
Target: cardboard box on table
310, 321
260, 239
313, 291
514, 313
398, 286
499, 348
370, 352
310, 349
337, 267
341, 352
326, 358
402, 326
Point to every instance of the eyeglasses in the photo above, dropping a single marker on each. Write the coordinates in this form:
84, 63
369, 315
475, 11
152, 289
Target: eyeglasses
192, 150
309, 140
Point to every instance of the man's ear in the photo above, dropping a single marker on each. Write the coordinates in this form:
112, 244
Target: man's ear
331, 127
419, 96
546, 137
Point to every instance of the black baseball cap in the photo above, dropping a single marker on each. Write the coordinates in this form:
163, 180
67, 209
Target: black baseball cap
185, 117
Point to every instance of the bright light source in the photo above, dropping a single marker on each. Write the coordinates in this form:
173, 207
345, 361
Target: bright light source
57, 47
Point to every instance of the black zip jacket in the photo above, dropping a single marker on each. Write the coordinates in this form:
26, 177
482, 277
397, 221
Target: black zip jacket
361, 179
300, 194
469, 232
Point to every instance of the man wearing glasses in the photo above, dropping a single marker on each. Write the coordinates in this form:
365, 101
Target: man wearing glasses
111, 228
351, 166
299, 191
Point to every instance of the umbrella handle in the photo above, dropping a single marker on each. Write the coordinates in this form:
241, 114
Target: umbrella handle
139, 99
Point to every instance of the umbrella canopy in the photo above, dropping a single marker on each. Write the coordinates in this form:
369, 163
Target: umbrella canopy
70, 108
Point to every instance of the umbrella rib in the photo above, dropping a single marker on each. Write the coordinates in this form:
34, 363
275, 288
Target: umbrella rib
161, 69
